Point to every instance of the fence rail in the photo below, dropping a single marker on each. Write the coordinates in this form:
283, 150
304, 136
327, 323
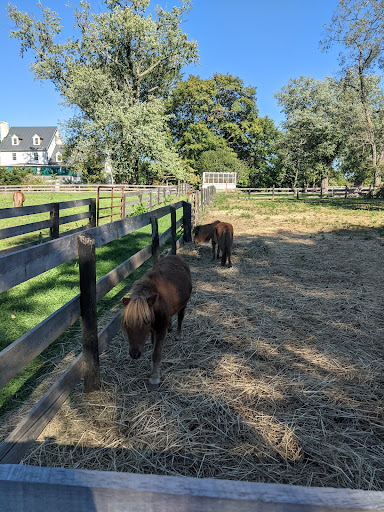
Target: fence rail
307, 191
148, 198
84, 491
53, 223
81, 188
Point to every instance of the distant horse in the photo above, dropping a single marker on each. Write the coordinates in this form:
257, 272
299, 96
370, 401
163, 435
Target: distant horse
204, 233
163, 292
18, 198
223, 237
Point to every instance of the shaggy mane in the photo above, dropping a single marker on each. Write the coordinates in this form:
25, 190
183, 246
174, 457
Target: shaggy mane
137, 312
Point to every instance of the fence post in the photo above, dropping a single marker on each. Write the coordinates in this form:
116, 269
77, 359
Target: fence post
273, 193
155, 239
150, 200
187, 221
55, 219
87, 270
297, 193
92, 213
158, 196
173, 229
346, 192
123, 199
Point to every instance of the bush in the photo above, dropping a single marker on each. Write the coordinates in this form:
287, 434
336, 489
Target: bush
15, 176
138, 210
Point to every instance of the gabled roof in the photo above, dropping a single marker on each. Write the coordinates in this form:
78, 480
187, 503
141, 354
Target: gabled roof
25, 135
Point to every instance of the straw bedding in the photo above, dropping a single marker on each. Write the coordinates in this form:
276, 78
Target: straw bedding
278, 377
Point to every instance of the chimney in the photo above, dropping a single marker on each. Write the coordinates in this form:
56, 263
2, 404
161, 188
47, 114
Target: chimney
4, 129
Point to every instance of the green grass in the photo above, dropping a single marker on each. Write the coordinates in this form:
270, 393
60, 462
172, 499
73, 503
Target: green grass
26, 305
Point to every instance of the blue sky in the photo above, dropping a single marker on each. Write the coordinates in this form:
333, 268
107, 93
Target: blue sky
265, 43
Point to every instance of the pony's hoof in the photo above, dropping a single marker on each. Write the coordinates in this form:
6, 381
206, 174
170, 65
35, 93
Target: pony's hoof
153, 387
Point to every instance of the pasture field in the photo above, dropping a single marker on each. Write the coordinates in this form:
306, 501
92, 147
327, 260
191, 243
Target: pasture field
26, 305
279, 375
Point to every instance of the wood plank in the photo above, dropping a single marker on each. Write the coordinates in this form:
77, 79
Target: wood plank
25, 228
88, 307
24, 350
113, 278
31, 426
91, 491
72, 218
21, 211
6, 213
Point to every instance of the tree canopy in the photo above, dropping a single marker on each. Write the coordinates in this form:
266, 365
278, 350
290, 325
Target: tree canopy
116, 71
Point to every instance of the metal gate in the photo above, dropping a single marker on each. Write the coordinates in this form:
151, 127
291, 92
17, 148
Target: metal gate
111, 193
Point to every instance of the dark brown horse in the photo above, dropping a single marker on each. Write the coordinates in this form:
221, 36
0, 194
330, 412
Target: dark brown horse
18, 198
163, 292
204, 233
223, 237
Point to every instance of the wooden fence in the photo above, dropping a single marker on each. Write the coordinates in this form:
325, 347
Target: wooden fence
21, 266
84, 188
32, 489
53, 223
148, 198
306, 192
200, 199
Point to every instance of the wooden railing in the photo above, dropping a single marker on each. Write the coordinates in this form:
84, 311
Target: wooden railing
303, 192
23, 265
53, 223
200, 199
82, 188
37, 488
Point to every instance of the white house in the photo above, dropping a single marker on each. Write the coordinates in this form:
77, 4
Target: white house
38, 147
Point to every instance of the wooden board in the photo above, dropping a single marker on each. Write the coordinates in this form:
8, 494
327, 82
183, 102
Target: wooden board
31, 426
37, 488
24, 350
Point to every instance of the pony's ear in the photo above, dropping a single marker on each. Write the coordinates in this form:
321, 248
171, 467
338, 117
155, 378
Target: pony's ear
126, 300
152, 299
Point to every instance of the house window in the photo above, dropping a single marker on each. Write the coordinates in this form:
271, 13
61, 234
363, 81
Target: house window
13, 156
15, 140
59, 157
36, 157
36, 140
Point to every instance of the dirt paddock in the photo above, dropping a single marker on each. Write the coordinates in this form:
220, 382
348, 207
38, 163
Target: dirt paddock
278, 377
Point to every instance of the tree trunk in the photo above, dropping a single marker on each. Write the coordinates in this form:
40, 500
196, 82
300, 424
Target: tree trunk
371, 131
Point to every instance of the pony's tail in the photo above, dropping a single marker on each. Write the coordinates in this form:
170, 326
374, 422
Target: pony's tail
227, 247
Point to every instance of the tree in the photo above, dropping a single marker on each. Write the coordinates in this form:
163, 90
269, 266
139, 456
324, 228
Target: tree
358, 25
312, 135
218, 114
223, 160
116, 72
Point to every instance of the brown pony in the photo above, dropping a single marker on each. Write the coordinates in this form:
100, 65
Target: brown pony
18, 198
223, 237
163, 292
204, 233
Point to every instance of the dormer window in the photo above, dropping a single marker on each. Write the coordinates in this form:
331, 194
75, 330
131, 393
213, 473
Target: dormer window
15, 140
36, 140
59, 157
